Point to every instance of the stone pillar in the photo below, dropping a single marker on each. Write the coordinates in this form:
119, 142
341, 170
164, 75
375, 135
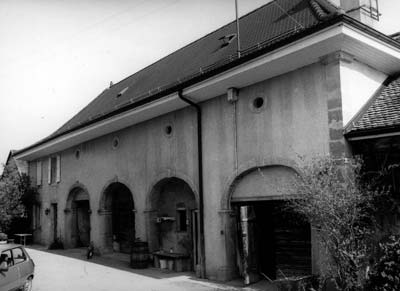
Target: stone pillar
151, 229
68, 230
337, 143
105, 231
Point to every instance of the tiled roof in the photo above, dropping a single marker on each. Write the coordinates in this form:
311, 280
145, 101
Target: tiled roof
382, 112
262, 27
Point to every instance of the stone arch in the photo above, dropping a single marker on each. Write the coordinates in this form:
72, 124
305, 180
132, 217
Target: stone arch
166, 175
171, 218
247, 168
256, 198
103, 197
117, 219
75, 187
77, 217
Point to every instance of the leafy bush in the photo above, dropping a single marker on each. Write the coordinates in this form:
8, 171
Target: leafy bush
385, 274
3, 236
332, 197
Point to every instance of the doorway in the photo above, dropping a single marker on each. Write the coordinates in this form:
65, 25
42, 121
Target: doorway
120, 224
77, 218
273, 242
82, 223
174, 220
54, 220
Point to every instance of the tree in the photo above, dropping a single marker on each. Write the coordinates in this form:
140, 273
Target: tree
15, 193
340, 206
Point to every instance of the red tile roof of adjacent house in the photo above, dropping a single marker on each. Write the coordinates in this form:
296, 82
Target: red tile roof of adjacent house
268, 24
381, 113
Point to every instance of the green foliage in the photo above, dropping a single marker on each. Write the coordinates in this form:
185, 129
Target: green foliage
385, 274
330, 195
15, 192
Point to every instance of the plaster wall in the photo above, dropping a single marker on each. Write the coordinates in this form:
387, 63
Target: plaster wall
359, 82
292, 123
145, 155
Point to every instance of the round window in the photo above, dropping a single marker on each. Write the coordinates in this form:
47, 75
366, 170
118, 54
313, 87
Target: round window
257, 104
115, 143
77, 154
168, 130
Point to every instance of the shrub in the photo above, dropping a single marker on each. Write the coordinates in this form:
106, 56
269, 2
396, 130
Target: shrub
385, 274
332, 197
3, 236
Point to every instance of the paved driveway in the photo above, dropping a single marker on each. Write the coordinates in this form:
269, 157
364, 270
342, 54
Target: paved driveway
59, 272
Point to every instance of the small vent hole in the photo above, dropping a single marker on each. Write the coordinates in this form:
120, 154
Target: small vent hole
168, 130
258, 102
115, 143
77, 154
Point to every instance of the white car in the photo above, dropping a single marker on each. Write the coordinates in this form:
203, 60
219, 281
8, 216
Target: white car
20, 271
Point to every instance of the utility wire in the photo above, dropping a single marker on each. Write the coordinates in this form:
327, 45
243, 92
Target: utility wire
284, 11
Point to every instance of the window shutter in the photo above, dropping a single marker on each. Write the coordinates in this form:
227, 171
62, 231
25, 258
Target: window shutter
49, 171
39, 173
58, 169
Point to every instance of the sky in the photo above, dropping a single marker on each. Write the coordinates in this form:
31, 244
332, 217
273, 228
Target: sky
58, 55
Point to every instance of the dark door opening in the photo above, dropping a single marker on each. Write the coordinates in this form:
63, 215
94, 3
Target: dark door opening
123, 220
273, 241
54, 219
82, 223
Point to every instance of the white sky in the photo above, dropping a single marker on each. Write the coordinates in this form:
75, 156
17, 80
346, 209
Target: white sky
57, 55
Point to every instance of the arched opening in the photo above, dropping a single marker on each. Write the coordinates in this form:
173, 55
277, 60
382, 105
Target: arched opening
120, 223
78, 217
173, 222
271, 240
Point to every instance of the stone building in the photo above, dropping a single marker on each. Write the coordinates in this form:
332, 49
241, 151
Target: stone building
191, 153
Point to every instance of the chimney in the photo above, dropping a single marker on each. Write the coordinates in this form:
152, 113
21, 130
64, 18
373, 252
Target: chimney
365, 11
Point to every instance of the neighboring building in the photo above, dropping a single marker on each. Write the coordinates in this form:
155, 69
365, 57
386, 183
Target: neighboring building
20, 166
141, 161
374, 134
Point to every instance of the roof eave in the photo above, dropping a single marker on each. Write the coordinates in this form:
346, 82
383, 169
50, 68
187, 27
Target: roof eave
373, 133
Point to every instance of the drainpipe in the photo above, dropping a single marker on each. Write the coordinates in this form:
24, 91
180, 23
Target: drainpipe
200, 166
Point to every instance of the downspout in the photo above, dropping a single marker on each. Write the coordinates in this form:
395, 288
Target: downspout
200, 169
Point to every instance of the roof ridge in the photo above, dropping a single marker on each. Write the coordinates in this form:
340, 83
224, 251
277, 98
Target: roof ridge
319, 12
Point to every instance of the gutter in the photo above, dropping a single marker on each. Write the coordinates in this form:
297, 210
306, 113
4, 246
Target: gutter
200, 169
384, 131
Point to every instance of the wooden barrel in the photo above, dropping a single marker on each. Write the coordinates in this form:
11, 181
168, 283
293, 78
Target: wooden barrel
140, 255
